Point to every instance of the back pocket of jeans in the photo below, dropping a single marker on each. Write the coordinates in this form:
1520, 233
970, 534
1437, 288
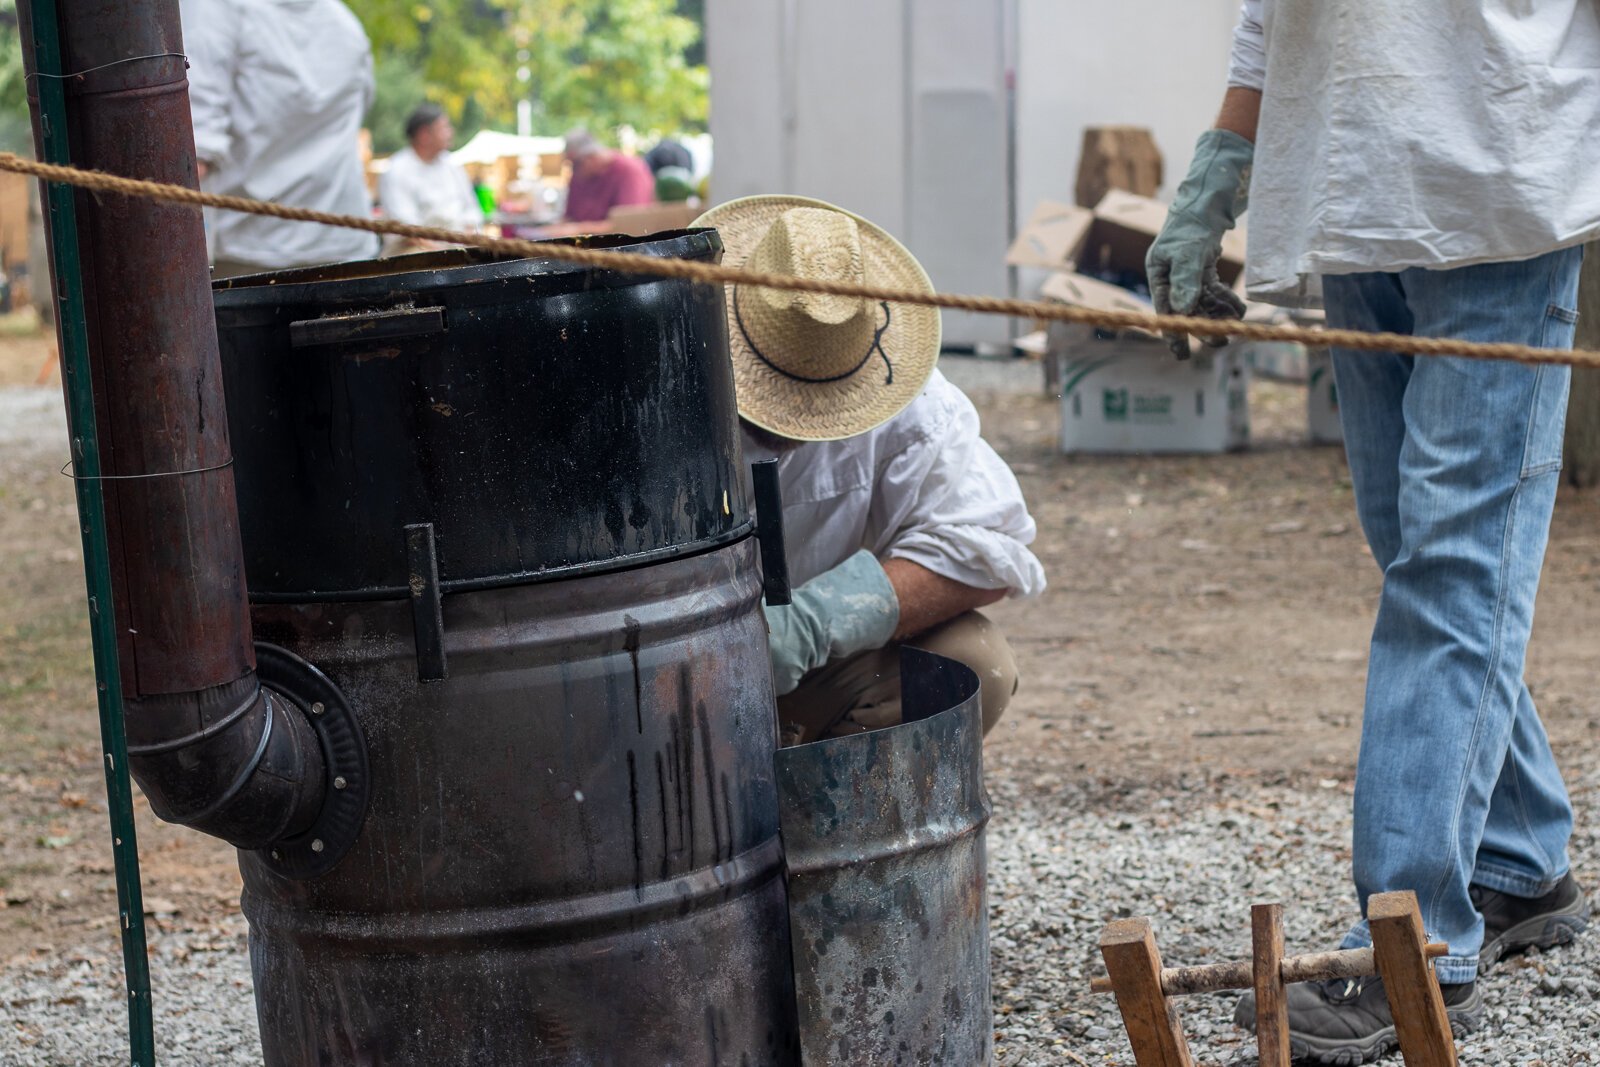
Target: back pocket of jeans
1561, 314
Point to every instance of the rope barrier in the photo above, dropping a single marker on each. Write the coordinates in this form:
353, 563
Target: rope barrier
718, 274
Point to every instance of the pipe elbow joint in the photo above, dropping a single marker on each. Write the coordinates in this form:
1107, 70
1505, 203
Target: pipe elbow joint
239, 761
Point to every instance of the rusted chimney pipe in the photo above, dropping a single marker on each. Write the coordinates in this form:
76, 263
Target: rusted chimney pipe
211, 748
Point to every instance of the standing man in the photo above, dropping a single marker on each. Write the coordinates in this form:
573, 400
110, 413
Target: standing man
278, 89
900, 521
423, 185
603, 178
1427, 168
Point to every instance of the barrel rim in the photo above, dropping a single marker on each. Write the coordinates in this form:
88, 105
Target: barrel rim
667, 553
389, 280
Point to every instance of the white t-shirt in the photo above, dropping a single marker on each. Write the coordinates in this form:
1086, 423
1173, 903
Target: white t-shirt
436, 193
1424, 133
924, 487
277, 90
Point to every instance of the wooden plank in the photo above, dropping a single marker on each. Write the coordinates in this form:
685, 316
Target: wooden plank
1154, 1029
1272, 1001
1420, 1021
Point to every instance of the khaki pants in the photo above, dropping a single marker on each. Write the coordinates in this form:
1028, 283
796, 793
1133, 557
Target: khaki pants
862, 692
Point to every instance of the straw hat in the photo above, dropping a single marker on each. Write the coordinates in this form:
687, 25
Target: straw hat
814, 367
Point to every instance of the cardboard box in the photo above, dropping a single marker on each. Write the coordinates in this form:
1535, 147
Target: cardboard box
1114, 237
1322, 399
1126, 226
1121, 389
1125, 394
1278, 361
1052, 237
1080, 290
1111, 242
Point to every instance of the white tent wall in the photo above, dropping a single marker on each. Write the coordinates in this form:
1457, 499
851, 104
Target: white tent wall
1162, 64
900, 110
895, 109
1156, 63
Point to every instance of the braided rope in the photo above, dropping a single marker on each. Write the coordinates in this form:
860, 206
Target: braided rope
717, 274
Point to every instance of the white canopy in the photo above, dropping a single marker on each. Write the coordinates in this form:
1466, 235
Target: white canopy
487, 146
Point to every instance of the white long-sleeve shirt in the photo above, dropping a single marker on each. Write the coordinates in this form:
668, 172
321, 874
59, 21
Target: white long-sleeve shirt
436, 193
1423, 133
277, 90
924, 487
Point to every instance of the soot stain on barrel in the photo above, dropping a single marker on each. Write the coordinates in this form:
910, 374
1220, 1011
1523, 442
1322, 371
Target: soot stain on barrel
683, 723
710, 769
630, 641
633, 807
666, 840
727, 814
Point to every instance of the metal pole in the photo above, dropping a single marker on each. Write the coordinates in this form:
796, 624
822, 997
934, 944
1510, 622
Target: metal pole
41, 33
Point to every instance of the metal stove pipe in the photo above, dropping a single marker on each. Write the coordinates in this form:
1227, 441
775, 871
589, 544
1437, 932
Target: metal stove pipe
210, 746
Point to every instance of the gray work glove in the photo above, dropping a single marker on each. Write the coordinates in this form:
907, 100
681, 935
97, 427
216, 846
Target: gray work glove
1182, 263
841, 612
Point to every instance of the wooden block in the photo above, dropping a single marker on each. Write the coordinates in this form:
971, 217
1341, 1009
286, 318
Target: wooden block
1117, 157
1272, 1001
1398, 945
1154, 1029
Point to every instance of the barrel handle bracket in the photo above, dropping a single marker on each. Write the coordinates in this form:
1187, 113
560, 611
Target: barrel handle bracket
769, 532
427, 604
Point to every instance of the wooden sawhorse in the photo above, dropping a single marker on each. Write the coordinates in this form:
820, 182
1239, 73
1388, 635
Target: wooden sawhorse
1399, 954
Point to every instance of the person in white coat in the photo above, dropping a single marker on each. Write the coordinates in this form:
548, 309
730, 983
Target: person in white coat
423, 185
278, 90
899, 520
1429, 168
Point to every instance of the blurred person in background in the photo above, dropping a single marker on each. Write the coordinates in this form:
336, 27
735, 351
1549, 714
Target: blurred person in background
278, 90
603, 178
674, 185
669, 153
424, 185
673, 166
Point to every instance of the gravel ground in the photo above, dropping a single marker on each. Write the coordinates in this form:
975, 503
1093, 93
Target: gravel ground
1194, 861
1193, 857
32, 420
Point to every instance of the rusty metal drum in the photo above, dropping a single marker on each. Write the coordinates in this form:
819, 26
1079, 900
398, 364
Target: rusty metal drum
569, 852
884, 834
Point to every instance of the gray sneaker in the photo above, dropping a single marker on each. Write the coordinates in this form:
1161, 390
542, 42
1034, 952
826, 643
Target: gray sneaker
1516, 924
1347, 1021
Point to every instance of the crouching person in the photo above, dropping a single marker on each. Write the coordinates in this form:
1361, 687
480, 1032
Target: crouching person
900, 521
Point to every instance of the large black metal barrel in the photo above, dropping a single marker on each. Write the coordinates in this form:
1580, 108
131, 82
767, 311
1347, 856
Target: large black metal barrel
520, 481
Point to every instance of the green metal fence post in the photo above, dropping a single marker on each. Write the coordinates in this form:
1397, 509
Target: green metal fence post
73, 334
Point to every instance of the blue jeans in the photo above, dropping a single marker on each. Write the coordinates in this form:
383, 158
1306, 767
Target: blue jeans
1455, 464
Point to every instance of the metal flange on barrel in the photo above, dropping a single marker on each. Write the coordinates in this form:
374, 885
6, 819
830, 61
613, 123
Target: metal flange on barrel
888, 913
287, 677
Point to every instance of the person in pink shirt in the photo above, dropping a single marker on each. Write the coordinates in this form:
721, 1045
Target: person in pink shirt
603, 178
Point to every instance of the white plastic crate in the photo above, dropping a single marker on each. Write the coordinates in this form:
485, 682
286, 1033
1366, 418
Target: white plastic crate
1322, 399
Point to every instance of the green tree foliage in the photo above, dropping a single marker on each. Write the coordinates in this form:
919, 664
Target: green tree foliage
595, 63
15, 135
695, 11
453, 52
